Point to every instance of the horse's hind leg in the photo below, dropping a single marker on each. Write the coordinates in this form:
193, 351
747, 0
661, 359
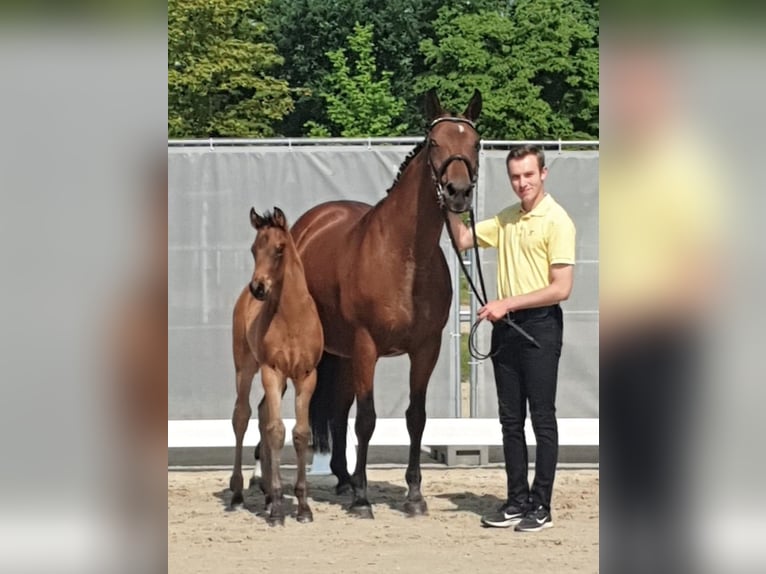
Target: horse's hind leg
263, 450
257, 472
274, 436
339, 425
422, 364
246, 369
303, 391
365, 357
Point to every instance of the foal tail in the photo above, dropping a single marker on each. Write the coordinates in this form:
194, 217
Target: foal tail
322, 402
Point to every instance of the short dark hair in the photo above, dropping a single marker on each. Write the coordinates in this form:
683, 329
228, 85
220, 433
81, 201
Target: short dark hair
522, 151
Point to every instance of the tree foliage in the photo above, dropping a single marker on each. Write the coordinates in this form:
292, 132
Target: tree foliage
231, 62
536, 65
359, 99
219, 67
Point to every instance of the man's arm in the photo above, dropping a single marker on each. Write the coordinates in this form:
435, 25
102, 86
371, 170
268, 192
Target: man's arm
463, 235
561, 279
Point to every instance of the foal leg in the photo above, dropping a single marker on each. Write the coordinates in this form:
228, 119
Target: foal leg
422, 363
363, 367
303, 391
245, 372
263, 451
274, 435
257, 467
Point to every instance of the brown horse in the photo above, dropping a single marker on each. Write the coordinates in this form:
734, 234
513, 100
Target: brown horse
382, 288
276, 327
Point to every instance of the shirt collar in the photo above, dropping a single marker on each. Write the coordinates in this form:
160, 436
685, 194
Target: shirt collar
540, 209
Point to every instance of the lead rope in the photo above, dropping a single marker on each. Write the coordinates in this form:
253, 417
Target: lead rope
482, 298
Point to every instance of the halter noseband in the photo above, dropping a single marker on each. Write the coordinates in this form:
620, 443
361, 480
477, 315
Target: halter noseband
436, 175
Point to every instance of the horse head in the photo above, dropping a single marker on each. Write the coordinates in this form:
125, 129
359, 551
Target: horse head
453, 151
268, 251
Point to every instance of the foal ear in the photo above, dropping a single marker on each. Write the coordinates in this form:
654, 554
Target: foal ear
473, 109
256, 220
433, 106
279, 218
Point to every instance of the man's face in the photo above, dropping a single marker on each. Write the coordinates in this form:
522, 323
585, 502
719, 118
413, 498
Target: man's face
527, 178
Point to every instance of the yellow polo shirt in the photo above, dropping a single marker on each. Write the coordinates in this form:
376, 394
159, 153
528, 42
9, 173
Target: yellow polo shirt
528, 244
658, 215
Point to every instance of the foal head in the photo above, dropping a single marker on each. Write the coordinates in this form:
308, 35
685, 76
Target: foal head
271, 241
453, 151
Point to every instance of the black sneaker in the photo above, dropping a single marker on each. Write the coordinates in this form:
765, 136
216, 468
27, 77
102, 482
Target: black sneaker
534, 520
507, 515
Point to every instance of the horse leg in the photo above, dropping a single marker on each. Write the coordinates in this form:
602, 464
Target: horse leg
303, 391
274, 434
339, 425
263, 448
363, 368
257, 467
422, 363
246, 368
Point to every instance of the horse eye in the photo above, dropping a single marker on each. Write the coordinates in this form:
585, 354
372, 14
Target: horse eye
478, 146
432, 142
280, 250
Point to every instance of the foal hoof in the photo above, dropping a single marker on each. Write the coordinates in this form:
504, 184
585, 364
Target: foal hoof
361, 511
305, 516
416, 507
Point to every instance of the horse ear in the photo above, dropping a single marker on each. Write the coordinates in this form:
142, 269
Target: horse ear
256, 220
279, 218
433, 106
473, 109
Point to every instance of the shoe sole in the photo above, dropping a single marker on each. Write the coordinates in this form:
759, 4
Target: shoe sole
503, 524
535, 528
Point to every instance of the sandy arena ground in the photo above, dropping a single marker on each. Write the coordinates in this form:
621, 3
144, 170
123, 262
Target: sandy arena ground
203, 537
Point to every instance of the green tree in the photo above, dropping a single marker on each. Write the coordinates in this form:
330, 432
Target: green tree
536, 63
358, 104
305, 30
219, 66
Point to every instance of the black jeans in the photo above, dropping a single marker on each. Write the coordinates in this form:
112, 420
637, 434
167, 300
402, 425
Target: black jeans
649, 388
525, 373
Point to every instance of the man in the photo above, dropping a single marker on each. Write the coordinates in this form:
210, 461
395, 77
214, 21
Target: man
535, 240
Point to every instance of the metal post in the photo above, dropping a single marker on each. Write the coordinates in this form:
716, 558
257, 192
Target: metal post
455, 332
473, 362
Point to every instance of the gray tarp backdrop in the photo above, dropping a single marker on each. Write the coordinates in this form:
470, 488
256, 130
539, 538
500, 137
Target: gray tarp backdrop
210, 194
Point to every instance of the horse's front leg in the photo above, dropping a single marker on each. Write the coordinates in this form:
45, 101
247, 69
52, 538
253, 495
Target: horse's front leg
422, 363
363, 369
273, 435
304, 388
246, 369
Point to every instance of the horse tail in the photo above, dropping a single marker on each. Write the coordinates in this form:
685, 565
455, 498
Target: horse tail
322, 402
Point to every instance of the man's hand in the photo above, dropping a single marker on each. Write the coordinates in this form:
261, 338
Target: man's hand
495, 310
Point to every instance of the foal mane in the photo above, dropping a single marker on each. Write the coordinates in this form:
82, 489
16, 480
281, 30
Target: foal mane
413, 152
270, 221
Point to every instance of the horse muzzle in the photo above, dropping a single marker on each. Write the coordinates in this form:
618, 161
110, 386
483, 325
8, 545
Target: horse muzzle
458, 197
258, 290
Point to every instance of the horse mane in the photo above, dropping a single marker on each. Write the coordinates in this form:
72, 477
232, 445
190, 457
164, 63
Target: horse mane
413, 152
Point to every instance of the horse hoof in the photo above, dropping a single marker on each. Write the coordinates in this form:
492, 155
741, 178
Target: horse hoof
305, 516
362, 511
343, 488
416, 507
253, 481
276, 520
237, 500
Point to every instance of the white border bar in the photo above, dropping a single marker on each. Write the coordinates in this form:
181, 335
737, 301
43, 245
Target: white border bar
388, 432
